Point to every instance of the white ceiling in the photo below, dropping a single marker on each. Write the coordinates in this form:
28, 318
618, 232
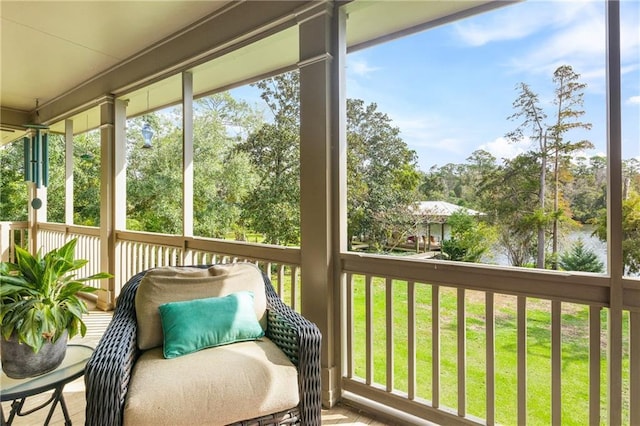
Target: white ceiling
48, 47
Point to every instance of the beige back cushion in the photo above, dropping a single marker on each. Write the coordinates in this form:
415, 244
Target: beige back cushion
172, 284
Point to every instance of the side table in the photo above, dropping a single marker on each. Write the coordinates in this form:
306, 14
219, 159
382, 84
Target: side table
17, 390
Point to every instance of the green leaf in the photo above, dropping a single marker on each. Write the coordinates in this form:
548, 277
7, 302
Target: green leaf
39, 295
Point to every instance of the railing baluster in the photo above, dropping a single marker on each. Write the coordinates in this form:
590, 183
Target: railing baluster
294, 288
490, 361
411, 337
634, 367
369, 328
349, 325
147, 257
462, 353
390, 334
280, 280
556, 362
435, 348
522, 360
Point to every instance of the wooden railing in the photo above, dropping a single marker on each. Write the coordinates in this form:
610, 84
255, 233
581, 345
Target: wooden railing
52, 235
12, 234
139, 251
471, 344
444, 341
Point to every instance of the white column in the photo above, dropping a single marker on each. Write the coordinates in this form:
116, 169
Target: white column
68, 172
339, 187
187, 159
120, 193
107, 200
319, 179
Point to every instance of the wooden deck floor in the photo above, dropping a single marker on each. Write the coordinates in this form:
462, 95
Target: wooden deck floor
74, 392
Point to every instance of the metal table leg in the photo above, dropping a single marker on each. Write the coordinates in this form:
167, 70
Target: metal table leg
58, 396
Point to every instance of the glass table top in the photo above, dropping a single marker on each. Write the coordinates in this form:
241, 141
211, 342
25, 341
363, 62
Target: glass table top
71, 368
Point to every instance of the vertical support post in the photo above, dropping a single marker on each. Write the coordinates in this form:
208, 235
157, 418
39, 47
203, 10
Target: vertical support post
316, 217
490, 357
107, 204
522, 359
462, 352
120, 192
68, 172
5, 241
187, 159
614, 209
338, 114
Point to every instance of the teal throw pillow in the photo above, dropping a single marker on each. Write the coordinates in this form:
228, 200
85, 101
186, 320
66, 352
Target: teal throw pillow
192, 325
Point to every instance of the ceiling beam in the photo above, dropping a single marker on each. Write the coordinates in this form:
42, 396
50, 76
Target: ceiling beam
14, 119
233, 25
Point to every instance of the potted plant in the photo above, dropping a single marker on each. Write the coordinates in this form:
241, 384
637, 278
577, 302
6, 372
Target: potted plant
41, 309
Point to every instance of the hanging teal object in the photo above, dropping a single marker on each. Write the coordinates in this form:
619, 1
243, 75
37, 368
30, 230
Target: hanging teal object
36, 155
27, 158
45, 159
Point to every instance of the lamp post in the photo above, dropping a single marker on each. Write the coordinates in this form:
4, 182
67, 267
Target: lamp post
147, 134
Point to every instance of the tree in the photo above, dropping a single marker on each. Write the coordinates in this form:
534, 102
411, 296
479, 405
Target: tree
551, 143
13, 188
630, 232
382, 172
56, 187
154, 177
533, 116
432, 185
569, 95
86, 179
510, 198
470, 238
580, 259
223, 176
480, 165
273, 206
587, 189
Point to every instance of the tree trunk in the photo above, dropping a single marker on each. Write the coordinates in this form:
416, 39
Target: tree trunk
542, 194
556, 202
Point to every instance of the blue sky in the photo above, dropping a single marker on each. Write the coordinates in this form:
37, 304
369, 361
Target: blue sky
451, 89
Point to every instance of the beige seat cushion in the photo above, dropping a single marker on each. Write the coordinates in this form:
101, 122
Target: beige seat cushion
172, 284
214, 386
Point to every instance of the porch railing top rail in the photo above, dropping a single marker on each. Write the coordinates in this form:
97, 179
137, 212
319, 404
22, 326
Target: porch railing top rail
576, 287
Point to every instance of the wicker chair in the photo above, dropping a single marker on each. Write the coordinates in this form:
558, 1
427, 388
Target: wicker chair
108, 372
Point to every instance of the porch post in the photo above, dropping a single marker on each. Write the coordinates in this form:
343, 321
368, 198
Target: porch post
614, 209
68, 172
119, 212
187, 163
317, 219
107, 197
5, 241
338, 111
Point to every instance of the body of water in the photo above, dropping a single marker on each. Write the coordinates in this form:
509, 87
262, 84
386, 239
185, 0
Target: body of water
584, 233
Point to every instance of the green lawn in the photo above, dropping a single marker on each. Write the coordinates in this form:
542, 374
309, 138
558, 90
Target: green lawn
575, 352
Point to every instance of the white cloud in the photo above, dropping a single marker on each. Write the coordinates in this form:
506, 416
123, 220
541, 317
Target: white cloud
501, 148
581, 44
508, 23
567, 32
426, 131
359, 66
633, 100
